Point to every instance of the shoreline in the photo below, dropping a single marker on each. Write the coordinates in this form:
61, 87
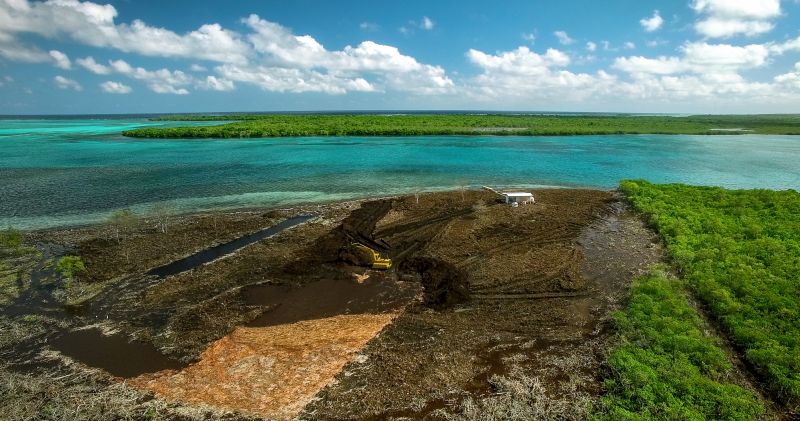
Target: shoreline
299, 207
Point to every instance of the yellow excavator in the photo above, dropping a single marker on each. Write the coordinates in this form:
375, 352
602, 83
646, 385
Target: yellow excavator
373, 257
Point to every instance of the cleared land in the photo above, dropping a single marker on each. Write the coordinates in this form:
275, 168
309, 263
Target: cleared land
248, 126
544, 280
490, 312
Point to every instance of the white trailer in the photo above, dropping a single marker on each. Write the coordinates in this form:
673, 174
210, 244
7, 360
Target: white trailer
518, 198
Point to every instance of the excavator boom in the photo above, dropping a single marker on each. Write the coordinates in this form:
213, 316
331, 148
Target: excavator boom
376, 260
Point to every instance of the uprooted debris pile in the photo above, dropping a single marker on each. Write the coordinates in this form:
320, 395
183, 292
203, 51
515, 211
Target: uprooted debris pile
444, 285
333, 246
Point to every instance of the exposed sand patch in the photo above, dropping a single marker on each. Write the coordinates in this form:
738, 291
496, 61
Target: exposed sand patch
271, 371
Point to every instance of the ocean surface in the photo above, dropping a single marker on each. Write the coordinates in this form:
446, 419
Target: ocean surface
68, 172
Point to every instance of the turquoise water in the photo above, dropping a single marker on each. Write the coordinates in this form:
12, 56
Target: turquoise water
63, 172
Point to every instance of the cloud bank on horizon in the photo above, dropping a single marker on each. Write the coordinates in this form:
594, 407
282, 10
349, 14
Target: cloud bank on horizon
714, 56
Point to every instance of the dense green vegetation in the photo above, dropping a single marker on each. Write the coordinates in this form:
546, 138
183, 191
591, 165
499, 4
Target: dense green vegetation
665, 367
740, 252
452, 124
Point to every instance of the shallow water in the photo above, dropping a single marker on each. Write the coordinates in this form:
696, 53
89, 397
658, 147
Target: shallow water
66, 172
116, 354
326, 298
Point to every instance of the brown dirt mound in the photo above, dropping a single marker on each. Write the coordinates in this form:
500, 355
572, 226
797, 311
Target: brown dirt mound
444, 285
328, 248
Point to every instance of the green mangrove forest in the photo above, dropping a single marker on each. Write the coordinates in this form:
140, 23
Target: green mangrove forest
251, 126
739, 253
666, 367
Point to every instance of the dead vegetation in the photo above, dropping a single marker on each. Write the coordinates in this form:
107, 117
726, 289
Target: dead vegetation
510, 318
75, 394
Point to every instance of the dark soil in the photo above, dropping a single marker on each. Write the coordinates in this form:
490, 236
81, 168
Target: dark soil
444, 285
543, 281
499, 299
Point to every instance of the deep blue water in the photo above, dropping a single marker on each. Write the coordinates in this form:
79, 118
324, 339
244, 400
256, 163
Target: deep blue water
61, 172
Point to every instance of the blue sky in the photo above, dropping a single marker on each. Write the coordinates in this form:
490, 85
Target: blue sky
692, 56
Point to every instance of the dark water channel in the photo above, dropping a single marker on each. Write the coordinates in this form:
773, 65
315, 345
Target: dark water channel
213, 253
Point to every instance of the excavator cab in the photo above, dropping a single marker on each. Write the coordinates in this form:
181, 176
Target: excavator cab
374, 258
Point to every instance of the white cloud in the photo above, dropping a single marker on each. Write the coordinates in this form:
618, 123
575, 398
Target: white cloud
290, 58
726, 28
529, 37
197, 68
653, 23
524, 75
657, 66
699, 58
629, 45
520, 61
64, 83
11, 49
94, 25
91, 65
371, 56
112, 87
563, 37
426, 24
791, 45
160, 81
656, 43
316, 69
590, 46
791, 79
60, 60
369, 26
727, 18
708, 72
279, 79
705, 74
212, 83
715, 88
740, 9
704, 55
283, 47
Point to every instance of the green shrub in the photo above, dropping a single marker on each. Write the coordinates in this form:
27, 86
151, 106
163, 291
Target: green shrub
665, 367
69, 266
